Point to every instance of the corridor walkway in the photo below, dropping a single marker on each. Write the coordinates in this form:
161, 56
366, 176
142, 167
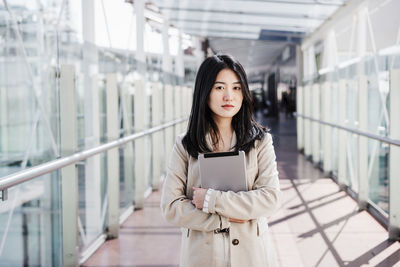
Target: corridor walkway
317, 225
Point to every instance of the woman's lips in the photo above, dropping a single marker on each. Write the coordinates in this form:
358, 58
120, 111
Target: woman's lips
227, 106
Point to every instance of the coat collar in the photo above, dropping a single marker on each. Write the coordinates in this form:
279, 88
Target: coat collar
233, 141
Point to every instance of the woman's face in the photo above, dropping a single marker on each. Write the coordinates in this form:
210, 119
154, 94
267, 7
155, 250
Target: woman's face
226, 96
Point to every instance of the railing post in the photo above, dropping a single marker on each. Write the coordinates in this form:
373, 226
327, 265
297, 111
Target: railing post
300, 120
69, 179
141, 146
93, 171
307, 122
112, 156
126, 102
327, 130
363, 182
157, 112
169, 132
183, 107
394, 157
342, 167
178, 108
315, 125
4, 120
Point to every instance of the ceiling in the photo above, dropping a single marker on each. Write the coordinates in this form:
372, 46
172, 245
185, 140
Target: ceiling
254, 31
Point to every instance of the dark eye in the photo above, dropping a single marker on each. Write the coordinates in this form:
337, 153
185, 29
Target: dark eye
237, 88
219, 87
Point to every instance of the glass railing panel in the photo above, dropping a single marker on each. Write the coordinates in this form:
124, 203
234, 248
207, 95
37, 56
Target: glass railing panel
102, 108
148, 163
321, 130
352, 90
335, 120
394, 61
126, 153
126, 172
30, 223
92, 193
352, 161
378, 101
335, 151
378, 173
29, 118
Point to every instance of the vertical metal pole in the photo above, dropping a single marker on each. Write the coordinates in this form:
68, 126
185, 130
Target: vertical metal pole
342, 172
69, 179
300, 120
112, 156
92, 123
169, 132
141, 115
180, 69
315, 125
184, 98
157, 111
362, 110
300, 65
182, 108
166, 63
180, 72
3, 121
178, 107
327, 130
189, 99
363, 182
186, 105
126, 101
169, 89
394, 157
330, 56
140, 23
307, 123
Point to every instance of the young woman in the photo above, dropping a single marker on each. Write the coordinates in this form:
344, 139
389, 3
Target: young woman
222, 228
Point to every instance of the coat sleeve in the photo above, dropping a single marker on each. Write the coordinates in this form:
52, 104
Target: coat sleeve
264, 197
176, 207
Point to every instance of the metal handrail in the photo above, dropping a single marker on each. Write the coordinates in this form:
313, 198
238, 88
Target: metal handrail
369, 135
31, 173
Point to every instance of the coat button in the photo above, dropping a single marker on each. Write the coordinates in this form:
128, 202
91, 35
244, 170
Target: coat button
235, 242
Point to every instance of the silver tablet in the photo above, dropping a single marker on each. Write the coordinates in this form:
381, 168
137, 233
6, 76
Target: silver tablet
224, 171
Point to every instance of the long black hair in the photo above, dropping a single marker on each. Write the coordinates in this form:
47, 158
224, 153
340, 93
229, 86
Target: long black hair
201, 122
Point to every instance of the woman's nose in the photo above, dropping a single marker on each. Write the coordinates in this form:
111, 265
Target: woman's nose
227, 95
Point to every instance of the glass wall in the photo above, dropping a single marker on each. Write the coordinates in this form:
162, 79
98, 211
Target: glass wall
378, 118
36, 39
357, 67
30, 224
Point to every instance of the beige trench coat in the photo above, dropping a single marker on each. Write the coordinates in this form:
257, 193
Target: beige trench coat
255, 205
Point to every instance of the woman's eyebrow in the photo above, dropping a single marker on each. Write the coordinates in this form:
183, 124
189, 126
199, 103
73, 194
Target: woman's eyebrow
225, 83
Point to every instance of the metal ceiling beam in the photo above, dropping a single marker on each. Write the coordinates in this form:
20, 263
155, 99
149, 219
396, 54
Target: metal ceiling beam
315, 2
287, 2
218, 30
212, 32
262, 14
213, 35
223, 34
258, 44
293, 29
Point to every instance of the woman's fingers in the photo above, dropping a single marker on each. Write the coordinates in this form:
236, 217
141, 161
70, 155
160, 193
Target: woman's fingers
237, 220
198, 197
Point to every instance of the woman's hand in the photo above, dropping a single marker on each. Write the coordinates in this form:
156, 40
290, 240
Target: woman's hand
237, 220
198, 197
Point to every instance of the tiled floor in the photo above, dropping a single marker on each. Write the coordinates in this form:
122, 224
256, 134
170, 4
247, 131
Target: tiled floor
317, 225
145, 240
